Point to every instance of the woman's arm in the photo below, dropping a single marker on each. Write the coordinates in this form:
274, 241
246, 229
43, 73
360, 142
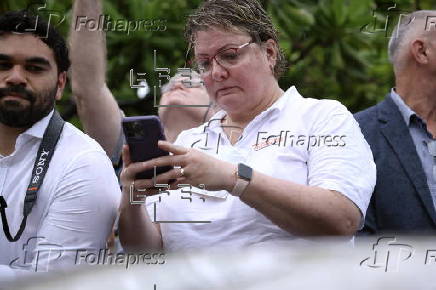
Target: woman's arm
137, 231
301, 209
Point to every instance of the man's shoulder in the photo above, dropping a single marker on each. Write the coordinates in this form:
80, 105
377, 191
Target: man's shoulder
75, 139
369, 123
372, 116
367, 115
73, 143
79, 157
385, 106
372, 119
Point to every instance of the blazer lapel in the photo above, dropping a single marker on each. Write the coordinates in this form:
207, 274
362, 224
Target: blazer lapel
394, 128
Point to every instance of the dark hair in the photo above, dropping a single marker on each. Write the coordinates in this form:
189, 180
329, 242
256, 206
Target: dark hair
23, 22
245, 15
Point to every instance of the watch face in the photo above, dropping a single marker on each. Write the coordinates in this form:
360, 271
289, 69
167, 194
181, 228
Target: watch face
244, 171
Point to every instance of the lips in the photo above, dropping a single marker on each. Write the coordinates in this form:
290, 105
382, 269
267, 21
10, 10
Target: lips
225, 91
14, 98
16, 92
15, 95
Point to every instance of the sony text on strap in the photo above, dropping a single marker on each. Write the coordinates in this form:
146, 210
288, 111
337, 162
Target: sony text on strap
42, 161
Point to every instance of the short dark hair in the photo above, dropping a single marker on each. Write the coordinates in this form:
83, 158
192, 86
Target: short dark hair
245, 15
24, 22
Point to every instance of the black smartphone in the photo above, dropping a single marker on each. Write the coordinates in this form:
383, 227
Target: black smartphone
142, 134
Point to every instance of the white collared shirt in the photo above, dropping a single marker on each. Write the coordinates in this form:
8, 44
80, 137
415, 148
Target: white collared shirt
75, 208
306, 141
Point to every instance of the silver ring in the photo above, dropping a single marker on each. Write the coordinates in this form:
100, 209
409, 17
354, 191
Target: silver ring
182, 171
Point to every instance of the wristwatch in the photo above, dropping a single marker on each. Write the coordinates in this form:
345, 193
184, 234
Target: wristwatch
244, 175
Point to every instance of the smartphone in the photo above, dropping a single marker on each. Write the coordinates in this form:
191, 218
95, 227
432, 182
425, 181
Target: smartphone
142, 134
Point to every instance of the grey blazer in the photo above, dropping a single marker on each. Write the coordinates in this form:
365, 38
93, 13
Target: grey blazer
401, 201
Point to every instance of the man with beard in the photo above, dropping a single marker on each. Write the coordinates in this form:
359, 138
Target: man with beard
75, 205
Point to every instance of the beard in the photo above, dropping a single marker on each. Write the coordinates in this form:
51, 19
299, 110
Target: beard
15, 114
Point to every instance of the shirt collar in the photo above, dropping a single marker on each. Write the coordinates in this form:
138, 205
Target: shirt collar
405, 110
215, 121
38, 129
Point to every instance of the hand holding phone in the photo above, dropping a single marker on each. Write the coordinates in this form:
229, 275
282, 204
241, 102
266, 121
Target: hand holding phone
142, 135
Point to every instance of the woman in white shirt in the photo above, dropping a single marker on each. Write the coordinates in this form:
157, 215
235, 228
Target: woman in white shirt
270, 166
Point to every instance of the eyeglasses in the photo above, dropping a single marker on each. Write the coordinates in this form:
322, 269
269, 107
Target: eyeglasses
227, 58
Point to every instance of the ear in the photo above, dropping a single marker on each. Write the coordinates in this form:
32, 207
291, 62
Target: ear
272, 52
419, 51
62, 81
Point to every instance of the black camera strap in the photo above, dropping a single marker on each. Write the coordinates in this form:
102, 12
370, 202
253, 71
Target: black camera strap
45, 153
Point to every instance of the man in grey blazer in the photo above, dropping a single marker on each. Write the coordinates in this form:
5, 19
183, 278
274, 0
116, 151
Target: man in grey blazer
401, 131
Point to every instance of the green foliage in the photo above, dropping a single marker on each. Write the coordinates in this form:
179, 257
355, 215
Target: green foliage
335, 48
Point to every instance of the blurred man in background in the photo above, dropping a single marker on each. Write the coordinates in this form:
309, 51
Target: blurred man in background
184, 104
97, 107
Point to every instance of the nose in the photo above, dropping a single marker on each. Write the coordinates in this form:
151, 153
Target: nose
16, 76
178, 85
218, 72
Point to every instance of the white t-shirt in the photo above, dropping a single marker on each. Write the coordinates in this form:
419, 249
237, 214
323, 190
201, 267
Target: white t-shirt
306, 141
75, 208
